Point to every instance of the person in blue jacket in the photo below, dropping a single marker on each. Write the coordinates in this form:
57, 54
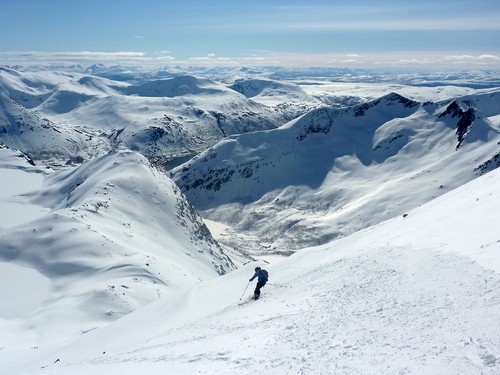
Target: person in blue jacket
262, 277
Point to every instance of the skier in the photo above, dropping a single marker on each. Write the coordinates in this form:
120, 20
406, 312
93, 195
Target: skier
262, 277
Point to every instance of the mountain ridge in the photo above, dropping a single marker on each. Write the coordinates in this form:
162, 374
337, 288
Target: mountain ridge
116, 235
163, 118
332, 153
376, 222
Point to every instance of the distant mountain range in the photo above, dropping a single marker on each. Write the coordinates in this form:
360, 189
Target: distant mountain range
164, 119
287, 164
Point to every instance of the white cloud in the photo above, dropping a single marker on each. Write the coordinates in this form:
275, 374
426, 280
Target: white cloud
405, 23
479, 60
488, 57
423, 60
83, 57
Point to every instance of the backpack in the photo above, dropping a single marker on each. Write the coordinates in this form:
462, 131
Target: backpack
265, 273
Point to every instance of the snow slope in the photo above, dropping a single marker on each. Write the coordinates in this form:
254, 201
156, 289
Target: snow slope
16, 181
413, 295
332, 172
110, 236
171, 119
107, 269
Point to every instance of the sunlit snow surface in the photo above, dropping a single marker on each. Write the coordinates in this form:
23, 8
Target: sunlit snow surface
416, 294
106, 268
334, 171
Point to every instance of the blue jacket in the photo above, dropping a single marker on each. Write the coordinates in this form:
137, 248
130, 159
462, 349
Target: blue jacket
262, 277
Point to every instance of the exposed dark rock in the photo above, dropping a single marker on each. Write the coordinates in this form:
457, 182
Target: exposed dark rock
465, 119
489, 165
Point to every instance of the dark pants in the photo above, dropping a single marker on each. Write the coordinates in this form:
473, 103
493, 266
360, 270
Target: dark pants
260, 284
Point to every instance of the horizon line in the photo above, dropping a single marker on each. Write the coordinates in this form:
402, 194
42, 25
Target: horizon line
447, 60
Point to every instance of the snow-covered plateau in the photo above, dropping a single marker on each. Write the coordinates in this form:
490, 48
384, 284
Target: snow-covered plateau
135, 206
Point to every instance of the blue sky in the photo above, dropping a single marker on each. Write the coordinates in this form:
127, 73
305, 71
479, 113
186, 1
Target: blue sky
336, 33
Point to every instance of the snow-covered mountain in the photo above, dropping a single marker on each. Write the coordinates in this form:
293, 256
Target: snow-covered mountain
289, 97
417, 295
110, 236
385, 199
44, 140
332, 172
161, 118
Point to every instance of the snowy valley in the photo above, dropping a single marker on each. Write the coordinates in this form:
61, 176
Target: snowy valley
332, 172
134, 208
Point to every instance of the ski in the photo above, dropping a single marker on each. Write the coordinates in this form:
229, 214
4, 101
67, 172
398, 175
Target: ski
246, 300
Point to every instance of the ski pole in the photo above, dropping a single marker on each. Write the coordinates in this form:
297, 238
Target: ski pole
245, 290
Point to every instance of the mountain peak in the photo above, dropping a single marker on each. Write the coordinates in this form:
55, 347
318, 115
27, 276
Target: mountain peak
386, 100
177, 86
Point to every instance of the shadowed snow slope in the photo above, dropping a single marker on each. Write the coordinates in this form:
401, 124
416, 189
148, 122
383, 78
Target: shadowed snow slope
116, 235
419, 294
332, 172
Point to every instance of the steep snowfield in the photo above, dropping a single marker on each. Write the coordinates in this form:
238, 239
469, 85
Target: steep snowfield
418, 294
15, 181
99, 241
332, 172
30, 89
